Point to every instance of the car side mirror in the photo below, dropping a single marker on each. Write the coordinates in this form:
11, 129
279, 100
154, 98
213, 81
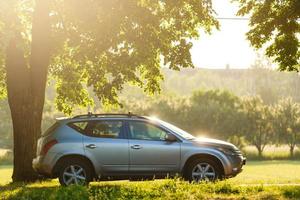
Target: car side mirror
170, 138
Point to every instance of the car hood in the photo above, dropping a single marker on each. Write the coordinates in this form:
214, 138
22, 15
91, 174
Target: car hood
213, 143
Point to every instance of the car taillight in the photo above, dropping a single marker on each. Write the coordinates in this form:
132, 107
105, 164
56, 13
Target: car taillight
47, 146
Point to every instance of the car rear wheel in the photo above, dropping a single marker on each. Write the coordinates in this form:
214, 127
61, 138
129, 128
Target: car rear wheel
75, 171
203, 169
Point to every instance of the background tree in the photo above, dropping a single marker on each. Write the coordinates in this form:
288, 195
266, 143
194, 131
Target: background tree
5, 126
213, 112
99, 45
287, 123
275, 24
258, 122
166, 107
262, 84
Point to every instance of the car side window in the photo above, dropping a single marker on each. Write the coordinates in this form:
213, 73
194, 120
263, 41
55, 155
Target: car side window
104, 129
101, 129
145, 131
79, 126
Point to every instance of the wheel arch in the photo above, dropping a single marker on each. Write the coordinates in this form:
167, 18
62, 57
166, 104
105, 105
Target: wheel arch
55, 170
203, 155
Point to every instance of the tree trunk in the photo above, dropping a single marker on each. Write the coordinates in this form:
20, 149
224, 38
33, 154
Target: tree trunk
26, 82
259, 153
19, 99
292, 147
259, 150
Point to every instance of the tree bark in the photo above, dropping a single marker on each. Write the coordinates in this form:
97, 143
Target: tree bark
259, 153
26, 82
292, 147
19, 99
259, 150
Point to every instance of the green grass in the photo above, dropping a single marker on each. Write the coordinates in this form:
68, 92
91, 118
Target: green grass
259, 180
5, 174
269, 172
163, 189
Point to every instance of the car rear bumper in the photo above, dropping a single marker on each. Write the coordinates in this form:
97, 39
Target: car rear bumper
40, 166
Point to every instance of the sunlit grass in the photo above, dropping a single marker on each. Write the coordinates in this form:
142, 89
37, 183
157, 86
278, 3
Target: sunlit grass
269, 172
5, 174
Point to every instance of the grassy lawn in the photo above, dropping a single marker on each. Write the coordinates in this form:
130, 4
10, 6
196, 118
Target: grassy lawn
269, 172
259, 180
5, 174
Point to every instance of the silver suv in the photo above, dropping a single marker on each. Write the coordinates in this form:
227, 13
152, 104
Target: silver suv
124, 146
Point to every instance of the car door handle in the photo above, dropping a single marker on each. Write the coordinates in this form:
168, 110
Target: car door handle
136, 146
91, 146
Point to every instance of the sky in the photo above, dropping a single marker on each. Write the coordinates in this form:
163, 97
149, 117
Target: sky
228, 46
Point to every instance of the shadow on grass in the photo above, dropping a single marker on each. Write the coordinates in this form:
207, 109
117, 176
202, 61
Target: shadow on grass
292, 192
25, 191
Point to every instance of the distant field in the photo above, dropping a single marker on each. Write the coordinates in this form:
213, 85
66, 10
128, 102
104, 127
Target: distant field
259, 180
271, 152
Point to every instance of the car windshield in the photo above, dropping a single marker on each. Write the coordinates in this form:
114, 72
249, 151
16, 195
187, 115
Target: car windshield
175, 129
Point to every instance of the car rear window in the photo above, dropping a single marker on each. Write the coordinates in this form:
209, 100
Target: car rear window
51, 129
78, 126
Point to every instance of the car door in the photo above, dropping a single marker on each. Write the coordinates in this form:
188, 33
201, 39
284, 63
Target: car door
148, 149
105, 143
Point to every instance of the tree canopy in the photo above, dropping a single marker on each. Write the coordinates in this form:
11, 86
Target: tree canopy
275, 25
104, 44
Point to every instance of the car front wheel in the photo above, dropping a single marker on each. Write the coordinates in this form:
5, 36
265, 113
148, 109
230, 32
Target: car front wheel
203, 169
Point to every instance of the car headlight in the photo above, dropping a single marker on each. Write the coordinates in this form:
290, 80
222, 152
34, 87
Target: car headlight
227, 151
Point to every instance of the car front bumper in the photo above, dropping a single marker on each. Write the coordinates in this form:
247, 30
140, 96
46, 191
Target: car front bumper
237, 165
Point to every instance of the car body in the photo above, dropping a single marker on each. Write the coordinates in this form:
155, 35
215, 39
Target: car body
126, 146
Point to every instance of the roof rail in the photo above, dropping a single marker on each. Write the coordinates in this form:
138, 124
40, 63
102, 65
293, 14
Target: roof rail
90, 114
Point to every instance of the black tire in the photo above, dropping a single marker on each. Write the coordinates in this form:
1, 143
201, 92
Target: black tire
215, 166
87, 171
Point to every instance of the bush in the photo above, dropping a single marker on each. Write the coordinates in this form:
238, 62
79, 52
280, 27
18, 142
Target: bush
7, 158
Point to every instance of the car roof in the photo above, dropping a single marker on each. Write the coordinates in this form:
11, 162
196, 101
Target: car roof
91, 116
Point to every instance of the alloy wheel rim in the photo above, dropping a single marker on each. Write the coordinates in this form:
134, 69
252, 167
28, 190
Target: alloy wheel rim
74, 174
203, 172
